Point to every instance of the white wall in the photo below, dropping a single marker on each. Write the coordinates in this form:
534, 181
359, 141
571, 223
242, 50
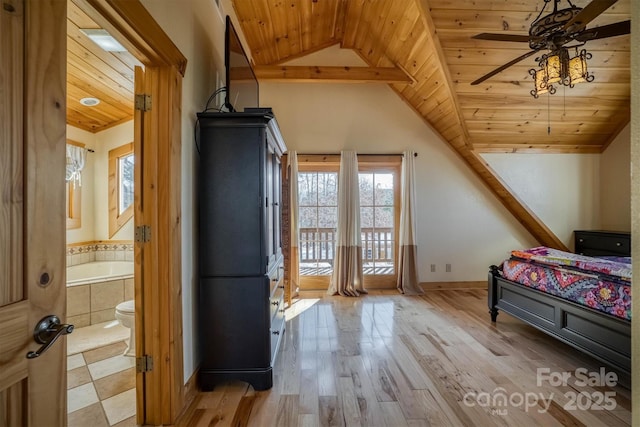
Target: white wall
615, 183
105, 141
197, 29
460, 221
563, 190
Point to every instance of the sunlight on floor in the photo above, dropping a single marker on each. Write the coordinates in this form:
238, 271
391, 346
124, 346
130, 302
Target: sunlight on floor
298, 307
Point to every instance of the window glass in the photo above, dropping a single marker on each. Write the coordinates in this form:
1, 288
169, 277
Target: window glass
377, 221
125, 178
121, 185
318, 219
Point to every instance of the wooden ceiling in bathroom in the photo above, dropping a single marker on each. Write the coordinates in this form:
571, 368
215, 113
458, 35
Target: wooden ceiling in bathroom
93, 72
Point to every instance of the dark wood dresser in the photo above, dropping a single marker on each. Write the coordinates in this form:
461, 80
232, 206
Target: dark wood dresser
241, 298
600, 242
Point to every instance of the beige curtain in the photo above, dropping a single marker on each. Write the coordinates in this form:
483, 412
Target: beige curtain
292, 157
407, 282
347, 278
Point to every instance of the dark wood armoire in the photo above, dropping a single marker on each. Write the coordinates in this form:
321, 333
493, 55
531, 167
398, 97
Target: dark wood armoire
241, 292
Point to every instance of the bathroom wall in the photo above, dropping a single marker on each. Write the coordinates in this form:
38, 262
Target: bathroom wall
95, 185
105, 141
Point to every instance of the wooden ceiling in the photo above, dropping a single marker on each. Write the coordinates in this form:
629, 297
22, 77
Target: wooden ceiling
431, 41
93, 72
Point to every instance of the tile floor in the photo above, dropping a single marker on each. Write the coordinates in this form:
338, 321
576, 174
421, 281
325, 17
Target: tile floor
100, 382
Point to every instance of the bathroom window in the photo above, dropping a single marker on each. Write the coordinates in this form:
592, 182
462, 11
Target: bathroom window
121, 163
73, 206
73, 189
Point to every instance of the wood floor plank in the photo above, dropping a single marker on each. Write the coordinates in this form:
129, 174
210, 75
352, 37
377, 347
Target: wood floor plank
431, 360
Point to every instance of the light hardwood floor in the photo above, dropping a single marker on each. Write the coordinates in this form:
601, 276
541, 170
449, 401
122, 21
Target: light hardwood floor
434, 360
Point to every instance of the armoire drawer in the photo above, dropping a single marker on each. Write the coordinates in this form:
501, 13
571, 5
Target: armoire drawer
276, 302
277, 328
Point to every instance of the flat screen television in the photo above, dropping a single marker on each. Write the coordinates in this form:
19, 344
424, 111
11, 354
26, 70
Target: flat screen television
242, 84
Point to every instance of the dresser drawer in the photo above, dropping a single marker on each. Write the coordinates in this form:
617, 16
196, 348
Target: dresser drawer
595, 243
277, 328
276, 302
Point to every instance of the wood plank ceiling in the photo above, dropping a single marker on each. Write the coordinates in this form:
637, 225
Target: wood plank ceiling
94, 72
431, 41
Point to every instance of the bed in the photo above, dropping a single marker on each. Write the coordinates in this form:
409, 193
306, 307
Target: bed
600, 326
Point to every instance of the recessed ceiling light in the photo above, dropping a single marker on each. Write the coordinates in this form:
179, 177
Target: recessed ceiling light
103, 39
90, 102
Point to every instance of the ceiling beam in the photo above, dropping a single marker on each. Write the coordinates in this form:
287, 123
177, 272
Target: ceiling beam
462, 146
537, 148
333, 74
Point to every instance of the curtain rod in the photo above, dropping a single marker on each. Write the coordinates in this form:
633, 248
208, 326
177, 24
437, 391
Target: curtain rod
359, 154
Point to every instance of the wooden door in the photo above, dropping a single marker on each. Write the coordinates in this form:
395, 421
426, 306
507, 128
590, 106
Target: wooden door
32, 211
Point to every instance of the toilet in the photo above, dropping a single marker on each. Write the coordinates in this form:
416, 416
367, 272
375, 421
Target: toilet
125, 312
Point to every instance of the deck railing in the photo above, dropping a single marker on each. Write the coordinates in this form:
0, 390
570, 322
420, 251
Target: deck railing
317, 245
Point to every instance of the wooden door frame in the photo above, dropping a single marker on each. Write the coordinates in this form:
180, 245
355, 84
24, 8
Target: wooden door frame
161, 394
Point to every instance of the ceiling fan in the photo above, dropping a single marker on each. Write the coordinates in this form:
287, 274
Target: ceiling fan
558, 28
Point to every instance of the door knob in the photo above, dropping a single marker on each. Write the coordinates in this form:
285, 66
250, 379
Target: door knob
46, 332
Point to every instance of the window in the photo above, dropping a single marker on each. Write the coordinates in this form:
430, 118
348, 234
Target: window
121, 163
377, 222
73, 205
73, 191
318, 217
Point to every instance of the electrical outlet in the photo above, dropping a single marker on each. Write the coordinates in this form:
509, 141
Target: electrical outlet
447, 268
433, 268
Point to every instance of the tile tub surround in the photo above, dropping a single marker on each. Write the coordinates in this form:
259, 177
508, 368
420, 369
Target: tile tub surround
96, 302
83, 252
90, 304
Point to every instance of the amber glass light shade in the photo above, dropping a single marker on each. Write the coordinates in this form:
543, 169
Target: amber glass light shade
577, 69
553, 68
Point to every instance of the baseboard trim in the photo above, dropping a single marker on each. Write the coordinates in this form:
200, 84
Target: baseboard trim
445, 286
190, 400
426, 286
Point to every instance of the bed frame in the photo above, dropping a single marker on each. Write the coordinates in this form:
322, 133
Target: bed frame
600, 335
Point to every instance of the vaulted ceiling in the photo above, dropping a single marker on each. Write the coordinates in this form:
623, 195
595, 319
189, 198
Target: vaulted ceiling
431, 42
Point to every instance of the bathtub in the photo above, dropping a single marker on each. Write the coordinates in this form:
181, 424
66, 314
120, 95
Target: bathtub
98, 271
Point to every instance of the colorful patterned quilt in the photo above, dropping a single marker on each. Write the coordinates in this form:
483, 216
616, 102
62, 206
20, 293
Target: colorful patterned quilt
555, 276
612, 268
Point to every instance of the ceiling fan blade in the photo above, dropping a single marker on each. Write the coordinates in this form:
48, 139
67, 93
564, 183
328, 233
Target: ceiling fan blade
502, 37
503, 67
611, 30
587, 14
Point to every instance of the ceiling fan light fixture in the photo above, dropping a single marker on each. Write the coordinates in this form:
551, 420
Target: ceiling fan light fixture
557, 67
554, 32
